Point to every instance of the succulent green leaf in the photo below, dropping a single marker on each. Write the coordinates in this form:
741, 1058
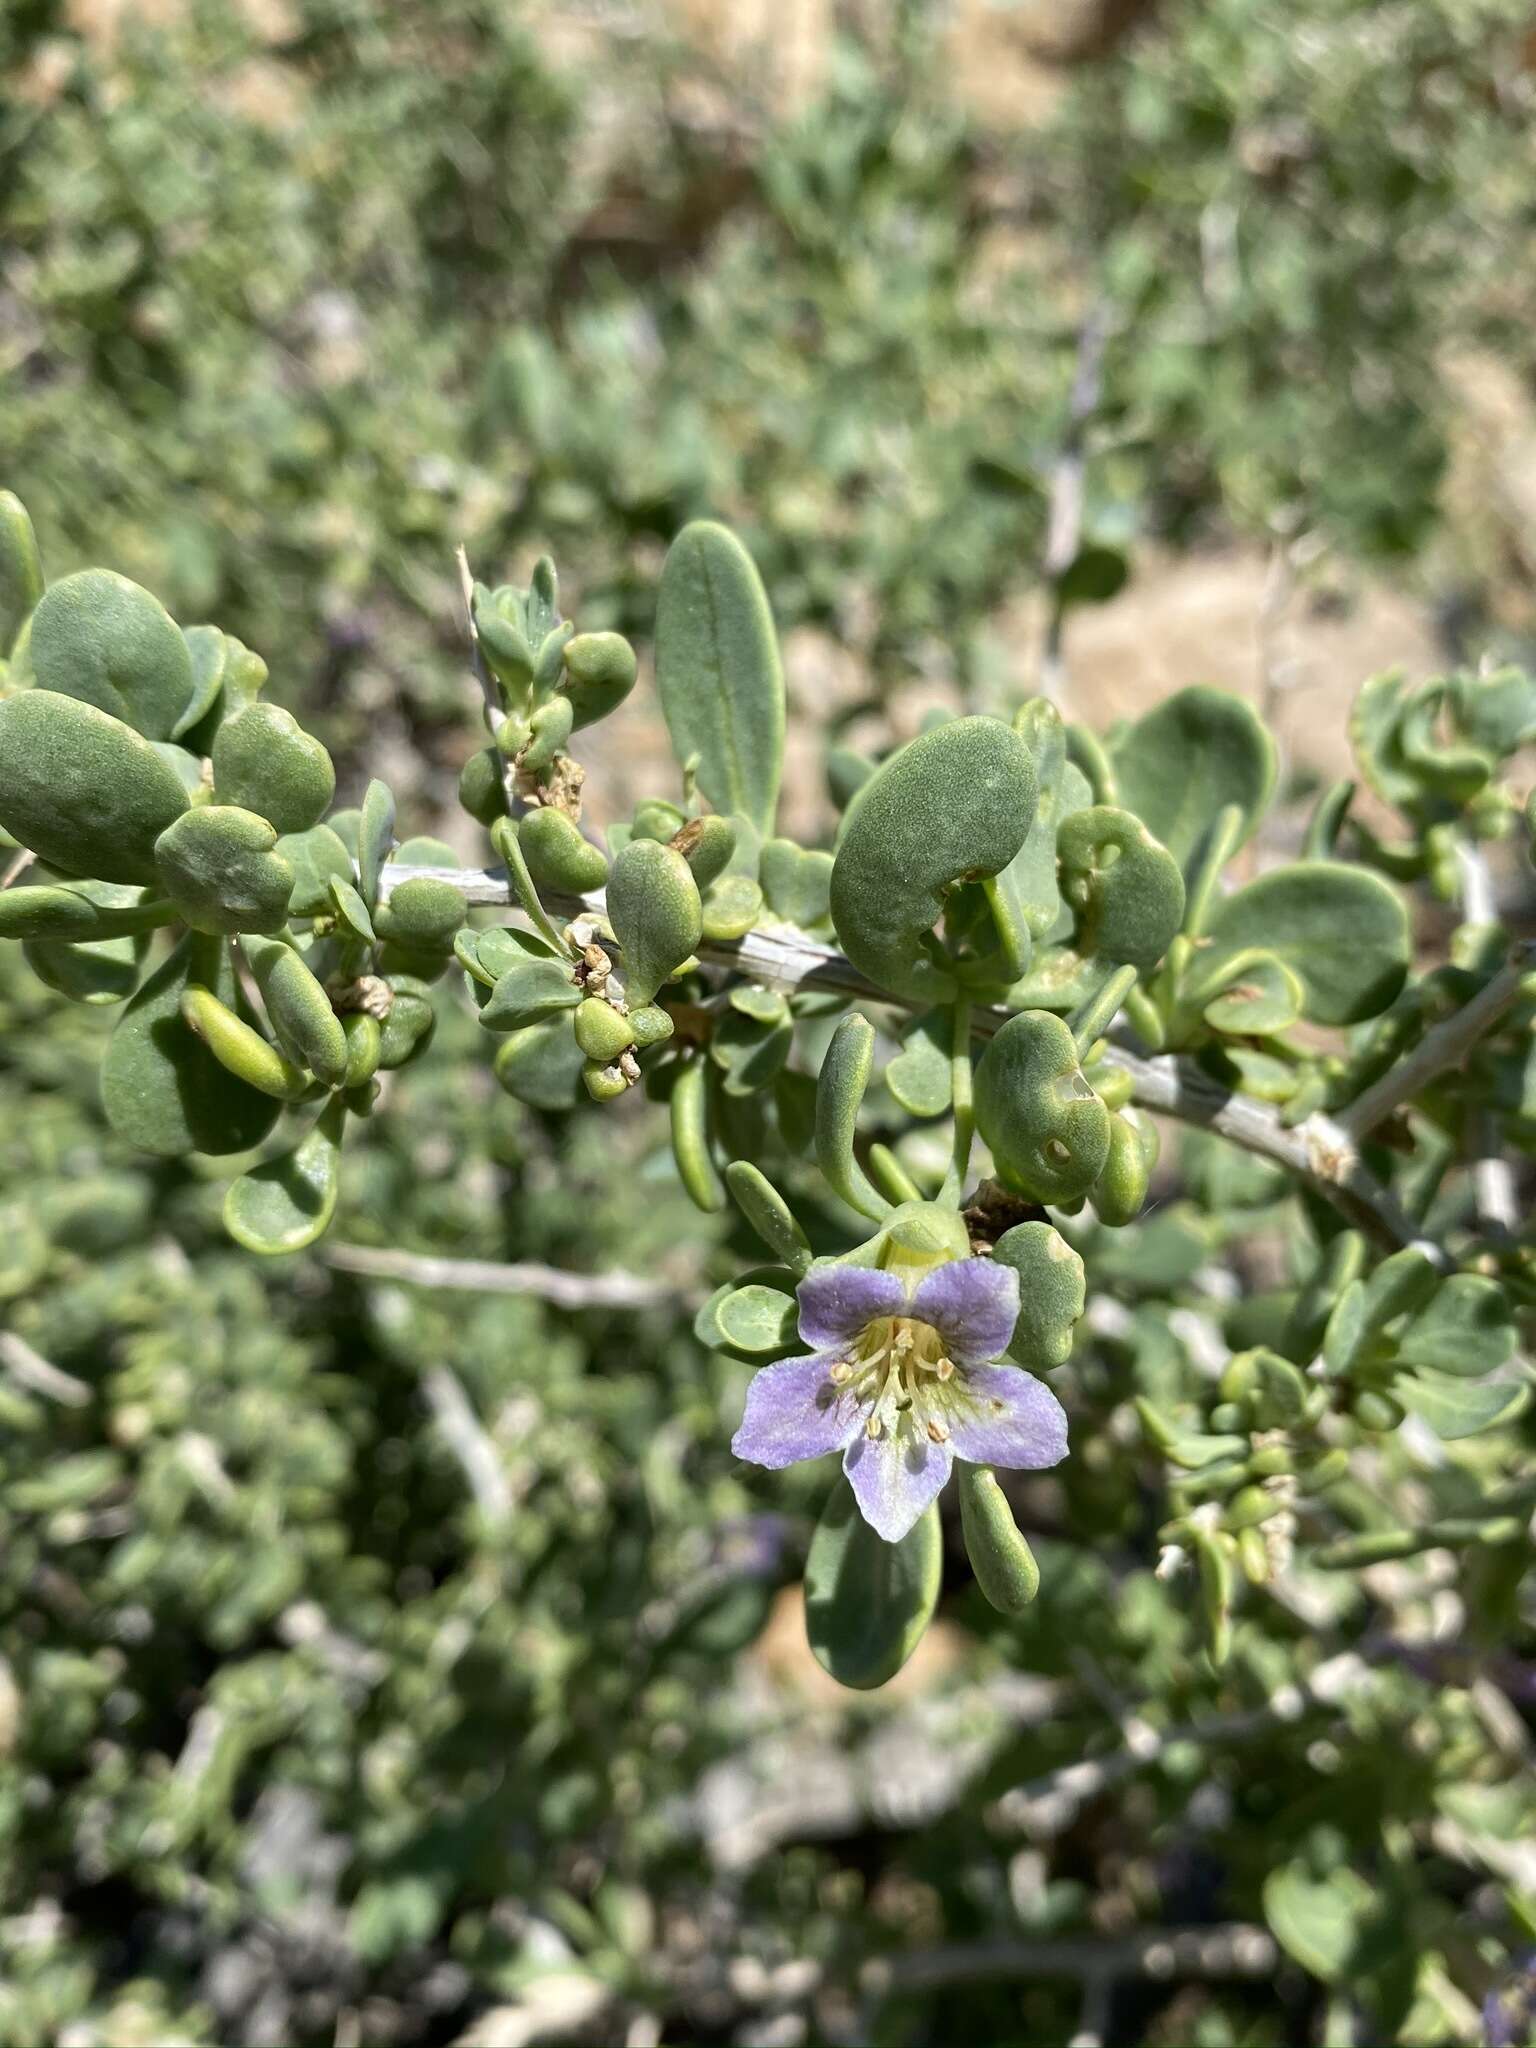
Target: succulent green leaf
1194, 753
868, 1602
1121, 1189
408, 1029
264, 761
656, 914
1048, 1131
769, 1214
422, 913
83, 790
796, 882
101, 639
757, 1321
162, 1088
600, 671
718, 673
558, 857
375, 839
79, 911
21, 568
845, 1072
1342, 931
317, 858
731, 906
351, 910
1467, 1330
92, 971
1321, 1921
209, 650
288, 1202
1053, 1292
220, 868
708, 844
602, 1032
1259, 994
542, 1065
1457, 1408
921, 1076
240, 1047
528, 990
1126, 891
751, 1051
953, 805
1000, 1557
691, 1148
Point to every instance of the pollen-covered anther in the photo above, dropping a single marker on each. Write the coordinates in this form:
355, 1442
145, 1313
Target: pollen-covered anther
840, 1373
938, 1432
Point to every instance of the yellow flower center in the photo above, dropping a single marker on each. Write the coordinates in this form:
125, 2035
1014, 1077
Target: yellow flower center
896, 1365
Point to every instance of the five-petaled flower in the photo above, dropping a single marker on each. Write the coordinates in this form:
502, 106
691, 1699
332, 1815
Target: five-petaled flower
900, 1383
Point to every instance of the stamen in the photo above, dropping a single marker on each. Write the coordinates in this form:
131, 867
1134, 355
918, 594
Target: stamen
945, 1368
938, 1432
840, 1373
872, 1428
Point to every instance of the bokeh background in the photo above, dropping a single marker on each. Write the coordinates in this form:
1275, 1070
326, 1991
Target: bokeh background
386, 1663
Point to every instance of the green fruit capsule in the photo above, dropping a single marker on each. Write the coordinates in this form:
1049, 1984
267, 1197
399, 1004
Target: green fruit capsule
603, 1083
601, 1031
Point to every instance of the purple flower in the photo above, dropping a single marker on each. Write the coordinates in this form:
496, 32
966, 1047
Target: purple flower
900, 1383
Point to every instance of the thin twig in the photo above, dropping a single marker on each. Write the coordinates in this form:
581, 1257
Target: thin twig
490, 1276
1064, 521
17, 866
1446, 1046
29, 1369
1319, 1150
469, 1443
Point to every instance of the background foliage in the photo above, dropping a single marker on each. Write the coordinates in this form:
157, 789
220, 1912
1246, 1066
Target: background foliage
301, 1737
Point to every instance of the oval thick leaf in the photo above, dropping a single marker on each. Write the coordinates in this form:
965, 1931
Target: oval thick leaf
955, 804
867, 1602
718, 673
289, 1202
87, 793
101, 639
1342, 931
264, 761
1194, 753
1047, 1130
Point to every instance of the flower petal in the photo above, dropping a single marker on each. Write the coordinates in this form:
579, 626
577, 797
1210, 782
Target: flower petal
894, 1478
793, 1411
973, 1304
1002, 1415
837, 1301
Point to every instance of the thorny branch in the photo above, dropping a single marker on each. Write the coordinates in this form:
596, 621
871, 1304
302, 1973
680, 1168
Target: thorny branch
1321, 1151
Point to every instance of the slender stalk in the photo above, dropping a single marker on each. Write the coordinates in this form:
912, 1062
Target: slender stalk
491, 1276
1320, 1151
1446, 1046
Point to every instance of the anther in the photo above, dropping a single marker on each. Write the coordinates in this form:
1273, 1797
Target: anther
938, 1432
